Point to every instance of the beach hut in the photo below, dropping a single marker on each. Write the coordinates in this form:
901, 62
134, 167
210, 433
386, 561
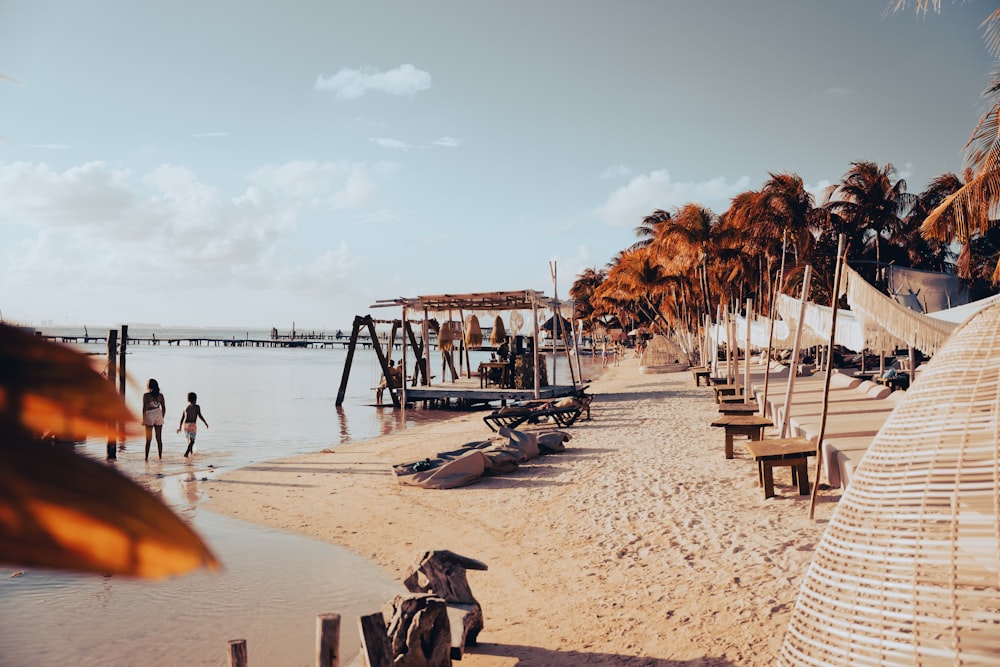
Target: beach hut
663, 355
908, 569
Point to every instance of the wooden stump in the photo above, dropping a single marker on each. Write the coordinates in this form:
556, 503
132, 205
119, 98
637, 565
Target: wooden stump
419, 631
442, 573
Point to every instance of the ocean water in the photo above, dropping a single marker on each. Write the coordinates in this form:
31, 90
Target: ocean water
261, 404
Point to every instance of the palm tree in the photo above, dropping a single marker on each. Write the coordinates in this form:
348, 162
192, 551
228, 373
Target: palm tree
971, 210
648, 230
872, 204
793, 210
641, 290
582, 293
914, 249
686, 242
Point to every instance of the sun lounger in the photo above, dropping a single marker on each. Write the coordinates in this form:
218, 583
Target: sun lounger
512, 417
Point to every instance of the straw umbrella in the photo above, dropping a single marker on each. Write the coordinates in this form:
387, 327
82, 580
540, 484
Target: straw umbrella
908, 569
499, 334
473, 334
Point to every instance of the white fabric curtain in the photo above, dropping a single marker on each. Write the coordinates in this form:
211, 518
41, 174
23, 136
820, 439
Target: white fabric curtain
887, 323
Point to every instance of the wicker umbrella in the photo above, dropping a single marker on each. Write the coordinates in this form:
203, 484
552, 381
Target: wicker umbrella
499, 334
473, 334
448, 333
908, 570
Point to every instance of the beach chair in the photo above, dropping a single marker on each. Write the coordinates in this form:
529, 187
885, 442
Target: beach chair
514, 416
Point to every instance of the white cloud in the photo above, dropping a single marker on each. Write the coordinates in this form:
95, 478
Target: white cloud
335, 184
627, 205
350, 84
102, 223
448, 142
386, 142
818, 191
616, 171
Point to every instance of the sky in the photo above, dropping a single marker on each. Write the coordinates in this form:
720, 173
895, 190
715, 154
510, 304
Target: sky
258, 164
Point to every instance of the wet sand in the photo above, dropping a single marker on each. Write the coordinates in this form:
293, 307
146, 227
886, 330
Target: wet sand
640, 545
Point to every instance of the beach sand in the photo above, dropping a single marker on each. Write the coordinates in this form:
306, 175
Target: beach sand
640, 545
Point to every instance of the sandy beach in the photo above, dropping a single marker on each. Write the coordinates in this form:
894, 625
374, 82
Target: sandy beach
640, 545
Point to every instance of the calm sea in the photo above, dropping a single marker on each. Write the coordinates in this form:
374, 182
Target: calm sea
262, 404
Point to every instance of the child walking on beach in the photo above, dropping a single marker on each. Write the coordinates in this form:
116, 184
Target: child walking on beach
154, 407
189, 421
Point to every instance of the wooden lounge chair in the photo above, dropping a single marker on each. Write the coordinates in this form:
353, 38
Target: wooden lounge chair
512, 417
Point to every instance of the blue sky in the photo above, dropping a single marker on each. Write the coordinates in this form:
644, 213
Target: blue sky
253, 164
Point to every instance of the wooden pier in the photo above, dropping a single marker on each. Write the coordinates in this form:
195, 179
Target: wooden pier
280, 342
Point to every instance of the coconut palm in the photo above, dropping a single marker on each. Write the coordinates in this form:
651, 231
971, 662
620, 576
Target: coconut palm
582, 293
648, 230
911, 247
686, 242
971, 210
872, 205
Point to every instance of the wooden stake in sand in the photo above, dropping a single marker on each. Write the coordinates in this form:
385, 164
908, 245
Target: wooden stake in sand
794, 368
838, 273
746, 361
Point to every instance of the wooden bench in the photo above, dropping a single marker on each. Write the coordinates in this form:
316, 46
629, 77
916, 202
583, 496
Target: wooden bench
748, 425
727, 390
738, 408
770, 453
700, 372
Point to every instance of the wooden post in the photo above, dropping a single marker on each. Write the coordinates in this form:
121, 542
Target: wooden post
121, 364
237, 652
358, 320
746, 361
112, 445
534, 348
794, 369
838, 275
382, 360
425, 334
402, 355
328, 640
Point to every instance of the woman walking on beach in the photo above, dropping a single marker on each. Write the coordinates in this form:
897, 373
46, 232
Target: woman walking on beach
154, 407
189, 421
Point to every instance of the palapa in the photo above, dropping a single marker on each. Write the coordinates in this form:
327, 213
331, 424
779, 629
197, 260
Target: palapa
498, 335
908, 569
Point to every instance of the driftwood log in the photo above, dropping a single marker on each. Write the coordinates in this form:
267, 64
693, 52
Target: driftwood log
419, 631
374, 641
442, 574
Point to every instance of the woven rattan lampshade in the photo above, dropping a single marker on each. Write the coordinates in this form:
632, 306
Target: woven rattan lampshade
499, 333
473, 334
908, 569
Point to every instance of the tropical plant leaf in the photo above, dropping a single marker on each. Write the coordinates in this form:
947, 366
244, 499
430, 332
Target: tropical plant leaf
61, 510
53, 389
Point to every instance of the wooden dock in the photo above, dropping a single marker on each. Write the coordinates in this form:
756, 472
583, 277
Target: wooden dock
280, 342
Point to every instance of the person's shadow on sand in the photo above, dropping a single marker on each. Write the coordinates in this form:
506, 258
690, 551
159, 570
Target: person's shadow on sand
533, 656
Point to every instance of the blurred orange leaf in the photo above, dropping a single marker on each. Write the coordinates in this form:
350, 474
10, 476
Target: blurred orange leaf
62, 510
